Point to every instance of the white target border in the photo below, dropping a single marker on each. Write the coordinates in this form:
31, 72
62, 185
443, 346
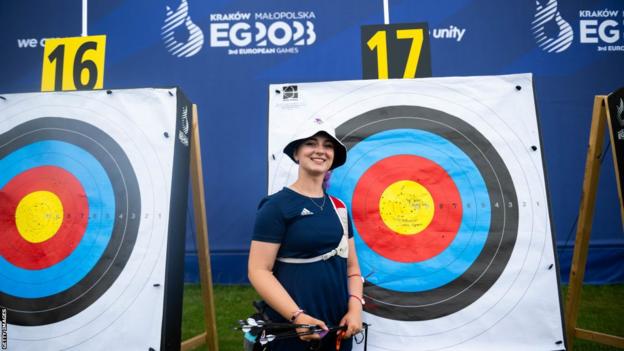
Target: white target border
506, 116
129, 313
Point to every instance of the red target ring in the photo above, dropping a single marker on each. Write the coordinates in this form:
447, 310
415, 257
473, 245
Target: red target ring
23, 253
438, 234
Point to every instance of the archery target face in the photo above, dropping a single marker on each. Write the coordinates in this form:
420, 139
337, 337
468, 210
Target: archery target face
85, 180
448, 205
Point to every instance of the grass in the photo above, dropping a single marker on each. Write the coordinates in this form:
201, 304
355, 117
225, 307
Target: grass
601, 310
231, 303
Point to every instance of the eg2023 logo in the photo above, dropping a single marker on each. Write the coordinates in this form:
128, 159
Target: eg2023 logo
601, 27
242, 33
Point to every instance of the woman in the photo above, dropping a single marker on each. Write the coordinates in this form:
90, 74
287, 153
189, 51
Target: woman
302, 258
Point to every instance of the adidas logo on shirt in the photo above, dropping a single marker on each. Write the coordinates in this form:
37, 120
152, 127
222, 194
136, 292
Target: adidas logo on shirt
306, 212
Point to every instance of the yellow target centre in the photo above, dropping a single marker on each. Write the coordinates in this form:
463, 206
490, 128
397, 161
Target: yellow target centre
39, 216
406, 207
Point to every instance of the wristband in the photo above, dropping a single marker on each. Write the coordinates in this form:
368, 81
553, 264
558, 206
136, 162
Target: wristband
358, 298
295, 315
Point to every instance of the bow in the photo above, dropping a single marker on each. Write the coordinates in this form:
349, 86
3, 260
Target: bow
265, 332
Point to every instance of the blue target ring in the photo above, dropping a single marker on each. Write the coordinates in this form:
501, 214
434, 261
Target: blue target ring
465, 270
27, 283
472, 234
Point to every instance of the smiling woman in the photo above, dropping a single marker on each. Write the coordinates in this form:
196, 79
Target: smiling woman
315, 154
302, 259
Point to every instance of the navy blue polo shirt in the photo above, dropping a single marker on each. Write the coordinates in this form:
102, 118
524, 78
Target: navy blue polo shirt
304, 230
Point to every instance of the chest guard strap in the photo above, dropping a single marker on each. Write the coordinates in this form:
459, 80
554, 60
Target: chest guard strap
342, 249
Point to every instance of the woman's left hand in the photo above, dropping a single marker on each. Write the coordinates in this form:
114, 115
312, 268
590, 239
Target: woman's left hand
353, 321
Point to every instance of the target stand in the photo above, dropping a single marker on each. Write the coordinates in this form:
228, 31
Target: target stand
93, 198
601, 117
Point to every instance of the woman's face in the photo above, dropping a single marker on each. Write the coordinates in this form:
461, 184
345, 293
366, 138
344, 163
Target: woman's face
315, 154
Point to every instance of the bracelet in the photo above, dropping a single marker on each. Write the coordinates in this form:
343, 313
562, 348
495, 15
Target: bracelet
295, 315
360, 299
356, 275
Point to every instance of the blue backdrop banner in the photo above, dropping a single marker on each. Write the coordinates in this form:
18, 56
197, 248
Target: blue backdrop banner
225, 53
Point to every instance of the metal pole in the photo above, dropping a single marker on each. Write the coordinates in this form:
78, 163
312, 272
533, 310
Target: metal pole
386, 12
84, 18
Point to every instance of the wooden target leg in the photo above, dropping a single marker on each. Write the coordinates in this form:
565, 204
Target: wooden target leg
209, 337
583, 232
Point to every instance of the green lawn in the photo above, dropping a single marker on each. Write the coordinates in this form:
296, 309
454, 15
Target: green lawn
602, 309
231, 302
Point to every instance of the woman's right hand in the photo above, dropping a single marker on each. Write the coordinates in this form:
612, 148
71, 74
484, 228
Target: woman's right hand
305, 319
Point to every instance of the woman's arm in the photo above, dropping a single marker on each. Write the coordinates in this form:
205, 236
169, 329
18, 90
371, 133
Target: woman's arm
262, 256
353, 318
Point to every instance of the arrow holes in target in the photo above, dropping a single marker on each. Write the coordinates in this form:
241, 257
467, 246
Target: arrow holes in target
427, 246
63, 183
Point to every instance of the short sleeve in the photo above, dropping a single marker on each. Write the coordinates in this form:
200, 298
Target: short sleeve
270, 225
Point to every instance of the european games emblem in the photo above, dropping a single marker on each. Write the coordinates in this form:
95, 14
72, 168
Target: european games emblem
180, 18
620, 111
183, 133
549, 13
